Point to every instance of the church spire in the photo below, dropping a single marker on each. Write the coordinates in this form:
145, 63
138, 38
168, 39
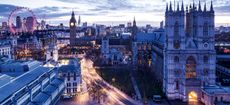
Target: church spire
170, 6
199, 9
193, 5
205, 7
79, 20
73, 14
178, 9
182, 6
134, 22
167, 7
211, 8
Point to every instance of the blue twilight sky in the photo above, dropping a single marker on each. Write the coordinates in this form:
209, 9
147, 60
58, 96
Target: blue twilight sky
110, 12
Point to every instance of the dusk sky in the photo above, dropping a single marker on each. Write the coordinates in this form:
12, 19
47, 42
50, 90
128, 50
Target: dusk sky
107, 11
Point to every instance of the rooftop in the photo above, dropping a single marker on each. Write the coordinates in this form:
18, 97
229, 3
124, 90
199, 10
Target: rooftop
21, 81
69, 65
149, 37
4, 79
217, 90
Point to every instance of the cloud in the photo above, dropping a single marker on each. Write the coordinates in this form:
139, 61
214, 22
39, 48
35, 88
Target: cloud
110, 8
5, 9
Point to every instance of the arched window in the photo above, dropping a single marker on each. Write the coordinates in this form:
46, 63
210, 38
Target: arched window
176, 59
176, 42
191, 67
205, 30
176, 29
206, 70
206, 59
115, 57
177, 85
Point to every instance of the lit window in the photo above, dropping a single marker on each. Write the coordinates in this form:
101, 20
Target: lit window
191, 67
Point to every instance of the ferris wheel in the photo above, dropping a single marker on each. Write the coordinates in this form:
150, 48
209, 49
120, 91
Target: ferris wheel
28, 25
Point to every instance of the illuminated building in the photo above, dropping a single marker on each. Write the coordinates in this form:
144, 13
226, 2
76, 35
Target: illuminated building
5, 49
52, 52
113, 52
190, 56
70, 71
143, 47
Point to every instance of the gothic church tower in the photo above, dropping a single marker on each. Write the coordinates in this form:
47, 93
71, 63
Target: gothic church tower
189, 54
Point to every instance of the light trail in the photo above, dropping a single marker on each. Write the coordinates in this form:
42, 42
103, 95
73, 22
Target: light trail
115, 96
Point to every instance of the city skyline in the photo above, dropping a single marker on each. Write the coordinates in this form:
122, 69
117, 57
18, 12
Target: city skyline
108, 12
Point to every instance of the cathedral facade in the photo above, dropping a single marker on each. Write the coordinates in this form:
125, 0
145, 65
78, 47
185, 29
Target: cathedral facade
189, 54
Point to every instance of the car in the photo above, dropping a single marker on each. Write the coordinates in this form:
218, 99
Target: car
156, 98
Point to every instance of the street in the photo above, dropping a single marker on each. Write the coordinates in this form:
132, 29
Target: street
99, 91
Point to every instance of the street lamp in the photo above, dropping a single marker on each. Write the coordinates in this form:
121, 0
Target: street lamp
113, 79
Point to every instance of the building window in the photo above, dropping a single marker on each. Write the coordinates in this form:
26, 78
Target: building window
68, 84
74, 90
216, 99
176, 59
206, 59
205, 30
202, 94
190, 67
51, 54
68, 77
177, 85
75, 84
75, 77
176, 30
115, 57
68, 90
206, 71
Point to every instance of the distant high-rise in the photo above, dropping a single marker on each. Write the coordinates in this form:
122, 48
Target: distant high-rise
18, 22
30, 23
43, 24
85, 24
4, 25
134, 28
24, 27
79, 21
72, 26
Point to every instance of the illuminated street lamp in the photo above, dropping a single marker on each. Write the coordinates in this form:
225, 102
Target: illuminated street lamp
113, 79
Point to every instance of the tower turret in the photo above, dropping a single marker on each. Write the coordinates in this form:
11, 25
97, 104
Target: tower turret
211, 8
182, 6
205, 7
199, 8
167, 9
178, 9
170, 7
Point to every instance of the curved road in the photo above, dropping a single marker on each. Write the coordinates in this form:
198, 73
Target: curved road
115, 96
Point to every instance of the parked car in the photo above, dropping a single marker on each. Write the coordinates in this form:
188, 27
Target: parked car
156, 98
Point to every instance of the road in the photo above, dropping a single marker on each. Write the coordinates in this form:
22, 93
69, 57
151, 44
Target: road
114, 96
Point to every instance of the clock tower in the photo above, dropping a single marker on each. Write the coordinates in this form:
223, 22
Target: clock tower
72, 25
